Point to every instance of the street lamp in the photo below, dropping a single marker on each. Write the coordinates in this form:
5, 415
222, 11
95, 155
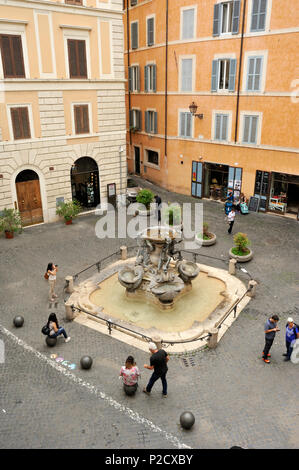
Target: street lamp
193, 109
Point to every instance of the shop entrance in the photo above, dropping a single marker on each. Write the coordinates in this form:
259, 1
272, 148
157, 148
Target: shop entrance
29, 197
284, 194
85, 182
215, 181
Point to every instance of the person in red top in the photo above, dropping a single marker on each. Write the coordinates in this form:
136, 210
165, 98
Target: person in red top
130, 374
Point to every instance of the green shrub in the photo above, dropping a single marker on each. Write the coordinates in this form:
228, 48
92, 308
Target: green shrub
241, 244
69, 210
145, 197
10, 221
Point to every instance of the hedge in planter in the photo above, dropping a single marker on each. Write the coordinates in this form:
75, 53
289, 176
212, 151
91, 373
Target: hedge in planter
10, 222
68, 210
241, 245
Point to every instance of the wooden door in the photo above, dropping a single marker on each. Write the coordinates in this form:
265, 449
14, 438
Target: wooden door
29, 201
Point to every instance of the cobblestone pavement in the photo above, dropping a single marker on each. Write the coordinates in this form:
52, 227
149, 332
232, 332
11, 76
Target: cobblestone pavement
235, 397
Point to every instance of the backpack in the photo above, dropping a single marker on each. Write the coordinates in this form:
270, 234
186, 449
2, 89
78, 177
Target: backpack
46, 330
294, 329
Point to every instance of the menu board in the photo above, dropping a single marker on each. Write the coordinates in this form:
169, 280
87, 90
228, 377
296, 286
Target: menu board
253, 204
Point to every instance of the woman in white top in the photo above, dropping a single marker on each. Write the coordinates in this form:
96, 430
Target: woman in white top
51, 271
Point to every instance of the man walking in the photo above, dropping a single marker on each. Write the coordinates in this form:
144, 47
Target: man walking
292, 333
158, 363
270, 332
231, 219
158, 201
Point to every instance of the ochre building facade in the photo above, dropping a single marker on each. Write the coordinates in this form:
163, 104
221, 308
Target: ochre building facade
62, 104
236, 64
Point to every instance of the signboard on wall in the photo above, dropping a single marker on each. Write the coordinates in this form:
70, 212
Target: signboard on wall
253, 204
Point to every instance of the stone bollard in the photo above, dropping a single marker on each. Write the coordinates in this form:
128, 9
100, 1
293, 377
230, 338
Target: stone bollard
232, 266
212, 342
70, 315
70, 284
252, 286
123, 252
158, 341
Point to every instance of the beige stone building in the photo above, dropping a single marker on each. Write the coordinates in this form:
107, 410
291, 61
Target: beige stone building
62, 104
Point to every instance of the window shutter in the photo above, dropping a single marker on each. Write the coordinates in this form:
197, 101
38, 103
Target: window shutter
20, 123
131, 118
236, 16
217, 126
25, 122
138, 77
12, 56
154, 77
146, 78
146, 121
130, 73
186, 67
155, 122
246, 129
188, 24
182, 124
257, 75
258, 17
224, 127
188, 124
82, 59
72, 57
253, 133
7, 59
134, 35
138, 119
262, 15
16, 124
150, 31
214, 84
232, 74
216, 20
250, 75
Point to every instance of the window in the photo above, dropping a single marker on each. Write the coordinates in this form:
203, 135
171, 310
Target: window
221, 127
226, 18
250, 129
135, 119
134, 35
74, 2
258, 15
186, 75
152, 157
150, 31
151, 122
77, 58
185, 125
150, 78
134, 78
188, 17
133, 2
20, 122
254, 73
12, 56
223, 74
81, 118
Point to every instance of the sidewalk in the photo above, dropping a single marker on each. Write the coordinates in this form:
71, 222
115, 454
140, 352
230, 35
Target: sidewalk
230, 390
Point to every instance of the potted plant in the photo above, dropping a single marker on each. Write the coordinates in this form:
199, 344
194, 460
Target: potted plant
241, 252
145, 197
10, 222
205, 238
69, 210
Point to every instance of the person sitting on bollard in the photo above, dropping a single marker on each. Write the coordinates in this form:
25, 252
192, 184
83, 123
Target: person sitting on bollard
130, 374
55, 329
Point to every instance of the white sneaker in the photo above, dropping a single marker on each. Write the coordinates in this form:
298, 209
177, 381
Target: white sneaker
67, 339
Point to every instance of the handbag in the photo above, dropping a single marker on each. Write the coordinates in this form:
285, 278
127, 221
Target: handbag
46, 330
46, 276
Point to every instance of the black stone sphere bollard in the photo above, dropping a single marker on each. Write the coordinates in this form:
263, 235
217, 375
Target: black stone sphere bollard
51, 341
18, 321
187, 420
86, 362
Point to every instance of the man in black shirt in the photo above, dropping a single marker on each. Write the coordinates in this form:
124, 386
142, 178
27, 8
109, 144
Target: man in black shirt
158, 201
158, 363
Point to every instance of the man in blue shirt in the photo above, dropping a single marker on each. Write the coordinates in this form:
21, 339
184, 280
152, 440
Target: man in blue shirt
292, 334
270, 332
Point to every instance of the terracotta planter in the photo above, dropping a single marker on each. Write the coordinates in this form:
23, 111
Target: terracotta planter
8, 234
242, 259
209, 242
69, 222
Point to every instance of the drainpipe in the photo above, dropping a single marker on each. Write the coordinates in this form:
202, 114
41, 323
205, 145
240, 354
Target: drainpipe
240, 67
128, 48
166, 87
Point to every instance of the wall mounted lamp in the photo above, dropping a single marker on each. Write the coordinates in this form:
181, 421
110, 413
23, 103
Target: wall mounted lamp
193, 109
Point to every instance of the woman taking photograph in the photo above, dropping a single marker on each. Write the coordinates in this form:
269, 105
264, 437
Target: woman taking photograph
55, 329
51, 271
130, 374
